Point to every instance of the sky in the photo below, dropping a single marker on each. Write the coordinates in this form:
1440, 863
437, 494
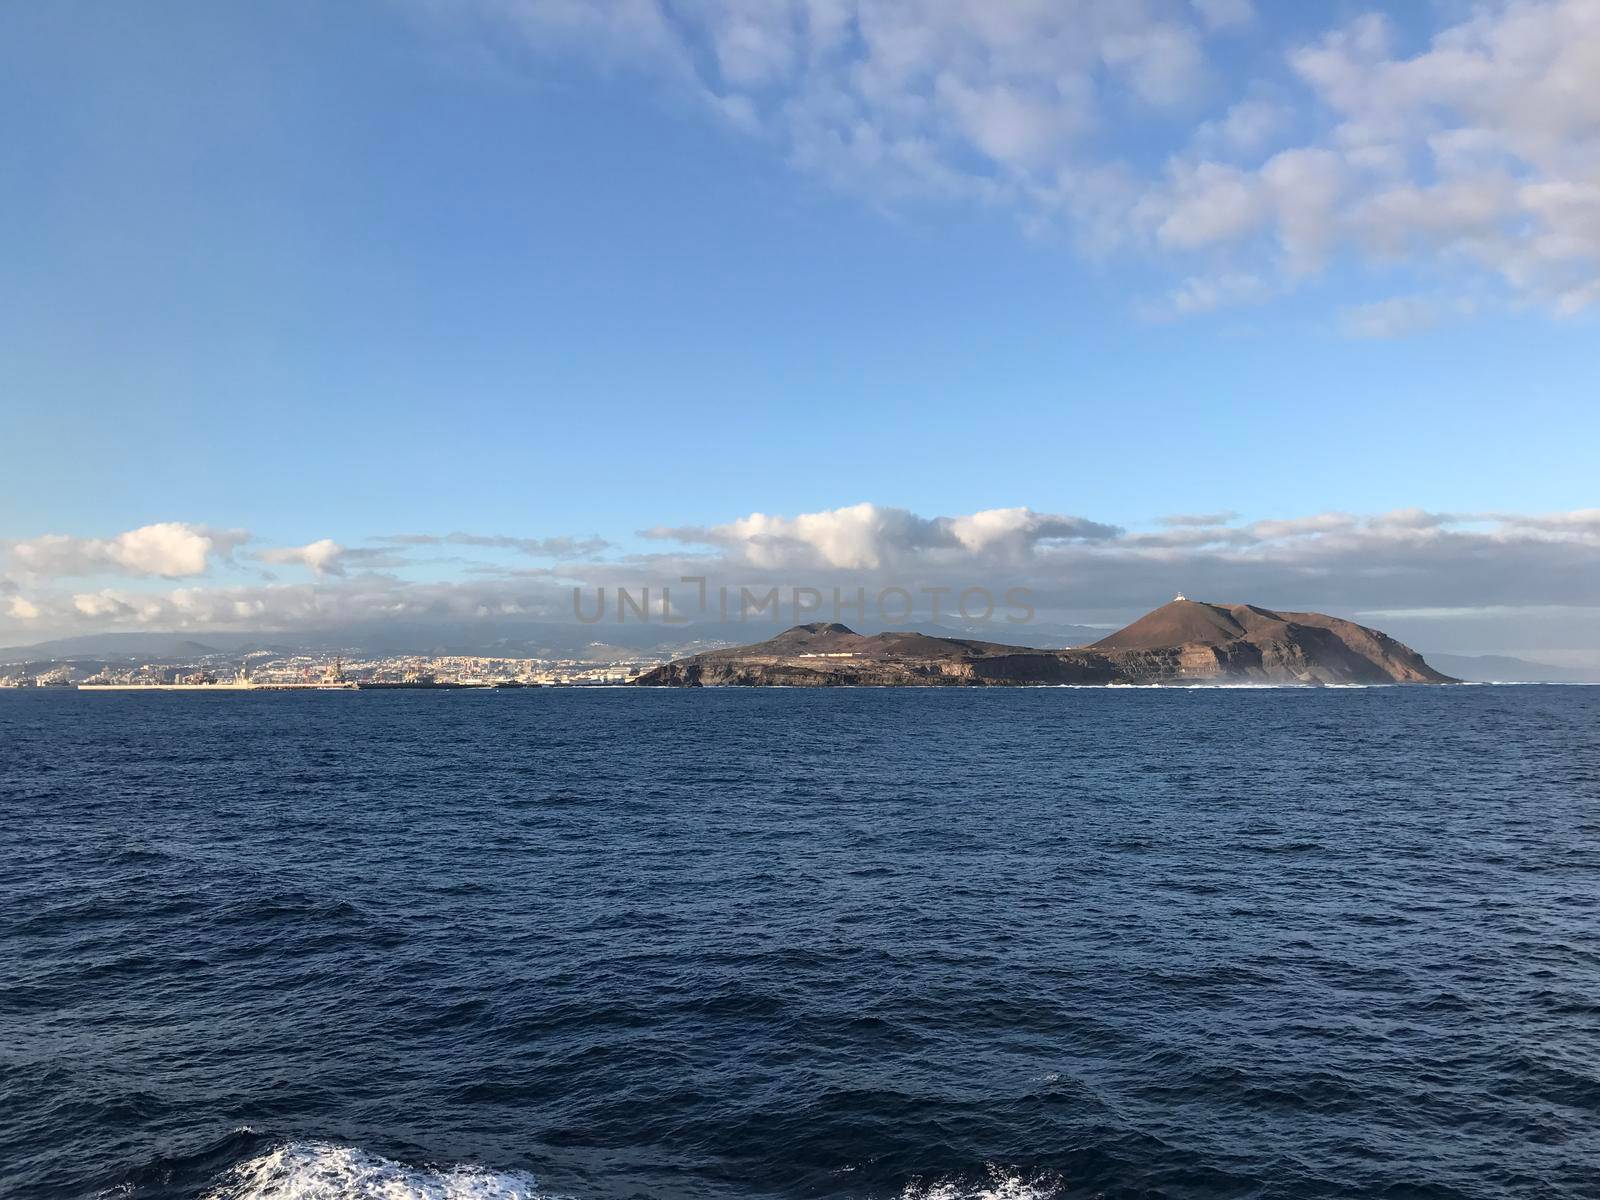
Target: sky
403, 308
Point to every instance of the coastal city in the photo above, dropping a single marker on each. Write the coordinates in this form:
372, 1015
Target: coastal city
268, 670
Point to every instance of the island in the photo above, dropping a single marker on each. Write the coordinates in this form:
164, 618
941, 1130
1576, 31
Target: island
1185, 642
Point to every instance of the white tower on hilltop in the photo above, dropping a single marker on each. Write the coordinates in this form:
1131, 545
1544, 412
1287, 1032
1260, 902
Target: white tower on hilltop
1180, 596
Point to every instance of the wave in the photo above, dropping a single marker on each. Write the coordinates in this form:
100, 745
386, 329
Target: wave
324, 1171
320, 1171
997, 1184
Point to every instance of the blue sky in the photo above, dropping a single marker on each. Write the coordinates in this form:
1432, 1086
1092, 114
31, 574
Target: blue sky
563, 268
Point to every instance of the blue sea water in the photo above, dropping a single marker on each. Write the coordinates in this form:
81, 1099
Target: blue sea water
932, 944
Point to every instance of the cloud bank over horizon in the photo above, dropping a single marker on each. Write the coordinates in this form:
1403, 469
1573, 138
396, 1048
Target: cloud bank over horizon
1495, 569
1454, 167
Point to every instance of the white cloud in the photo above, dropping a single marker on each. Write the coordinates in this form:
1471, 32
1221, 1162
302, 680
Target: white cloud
22, 609
1162, 62
1306, 186
546, 547
1197, 520
1403, 316
1247, 128
1202, 294
1005, 123
871, 536
365, 600
1395, 317
107, 605
1475, 156
756, 44
323, 557
1484, 148
900, 97
1583, 521
1207, 203
171, 550
1298, 527
1223, 14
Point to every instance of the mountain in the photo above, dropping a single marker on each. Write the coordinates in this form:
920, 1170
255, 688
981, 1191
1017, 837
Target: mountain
116, 646
1502, 668
1185, 641
1242, 640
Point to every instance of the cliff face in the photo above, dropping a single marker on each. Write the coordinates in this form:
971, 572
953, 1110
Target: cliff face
1182, 642
1249, 642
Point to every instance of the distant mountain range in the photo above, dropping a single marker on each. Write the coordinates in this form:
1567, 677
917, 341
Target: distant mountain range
1500, 668
486, 639
1185, 641
161, 646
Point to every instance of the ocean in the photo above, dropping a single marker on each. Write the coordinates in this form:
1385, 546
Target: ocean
939, 944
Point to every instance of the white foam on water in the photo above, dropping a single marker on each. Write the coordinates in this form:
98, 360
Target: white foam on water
323, 1171
318, 1171
997, 1184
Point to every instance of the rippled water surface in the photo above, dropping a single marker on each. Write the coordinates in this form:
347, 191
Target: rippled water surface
931, 944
